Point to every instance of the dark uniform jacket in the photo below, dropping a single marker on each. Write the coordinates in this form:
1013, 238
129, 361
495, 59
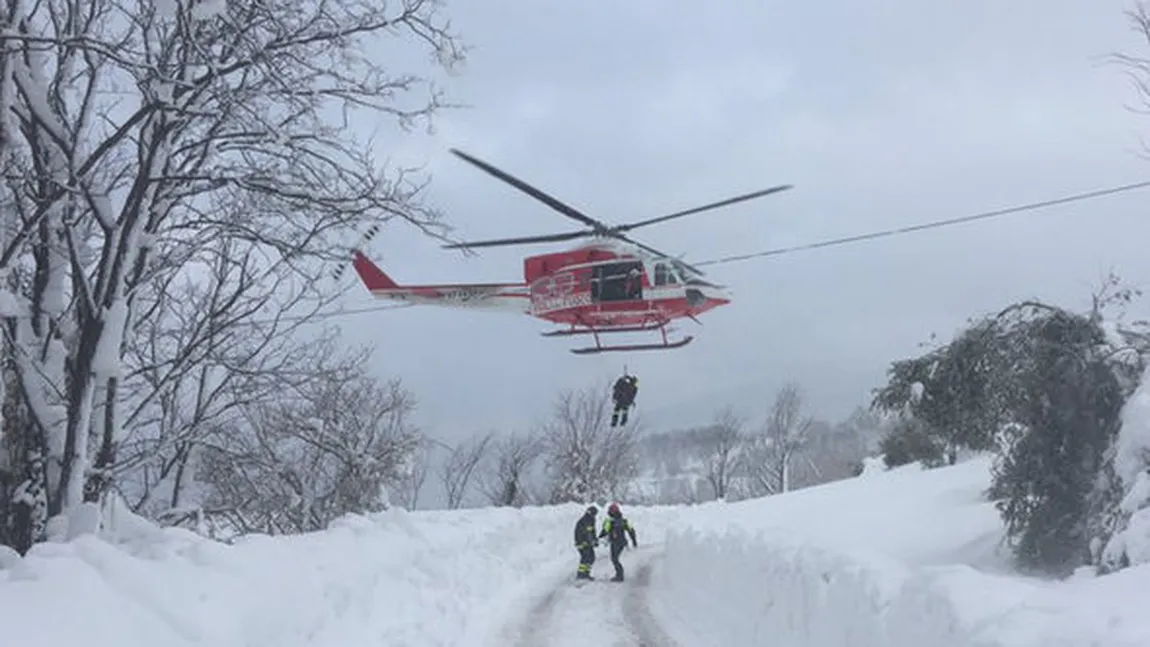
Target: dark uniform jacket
624, 392
585, 531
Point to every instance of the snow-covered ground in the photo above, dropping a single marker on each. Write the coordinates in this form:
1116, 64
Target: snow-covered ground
897, 558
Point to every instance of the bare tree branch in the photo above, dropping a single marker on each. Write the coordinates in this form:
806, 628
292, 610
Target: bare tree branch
723, 439
456, 472
337, 447
504, 483
588, 458
208, 154
771, 453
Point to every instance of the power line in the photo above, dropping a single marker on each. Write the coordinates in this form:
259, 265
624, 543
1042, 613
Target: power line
930, 225
338, 313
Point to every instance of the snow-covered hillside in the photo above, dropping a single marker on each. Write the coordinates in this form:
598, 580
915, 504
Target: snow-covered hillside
897, 558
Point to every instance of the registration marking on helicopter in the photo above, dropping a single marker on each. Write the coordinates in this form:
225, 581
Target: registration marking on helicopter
465, 295
562, 302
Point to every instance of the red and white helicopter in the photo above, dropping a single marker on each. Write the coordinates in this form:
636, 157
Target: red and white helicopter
611, 285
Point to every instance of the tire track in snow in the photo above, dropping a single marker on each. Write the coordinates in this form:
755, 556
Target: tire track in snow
601, 613
638, 613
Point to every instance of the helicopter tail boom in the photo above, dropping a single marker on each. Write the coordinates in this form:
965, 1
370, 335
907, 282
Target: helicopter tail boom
512, 297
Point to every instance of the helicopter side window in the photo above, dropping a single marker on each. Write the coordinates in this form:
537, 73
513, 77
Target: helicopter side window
617, 281
664, 275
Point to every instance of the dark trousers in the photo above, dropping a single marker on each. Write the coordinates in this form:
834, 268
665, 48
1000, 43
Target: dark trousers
586, 559
616, 549
619, 417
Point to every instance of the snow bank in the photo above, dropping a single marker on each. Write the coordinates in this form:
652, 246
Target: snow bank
898, 558
778, 589
902, 558
861, 562
1131, 462
380, 580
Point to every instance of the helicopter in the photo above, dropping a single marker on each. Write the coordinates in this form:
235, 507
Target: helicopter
611, 284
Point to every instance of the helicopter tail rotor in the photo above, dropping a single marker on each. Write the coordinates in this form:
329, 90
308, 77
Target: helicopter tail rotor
358, 247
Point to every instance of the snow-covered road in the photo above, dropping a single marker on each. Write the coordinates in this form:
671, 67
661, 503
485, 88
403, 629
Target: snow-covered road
601, 612
899, 559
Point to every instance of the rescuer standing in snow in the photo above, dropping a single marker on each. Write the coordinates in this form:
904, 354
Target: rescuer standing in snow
617, 528
585, 541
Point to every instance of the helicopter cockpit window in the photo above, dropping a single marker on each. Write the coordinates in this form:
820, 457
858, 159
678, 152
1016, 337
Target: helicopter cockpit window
663, 274
617, 281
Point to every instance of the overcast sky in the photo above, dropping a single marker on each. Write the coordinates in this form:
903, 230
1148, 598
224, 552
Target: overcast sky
881, 114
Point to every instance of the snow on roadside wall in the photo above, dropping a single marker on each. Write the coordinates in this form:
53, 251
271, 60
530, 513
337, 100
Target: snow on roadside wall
776, 588
780, 592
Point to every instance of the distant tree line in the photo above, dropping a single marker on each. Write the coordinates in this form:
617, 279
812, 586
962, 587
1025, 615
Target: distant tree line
574, 455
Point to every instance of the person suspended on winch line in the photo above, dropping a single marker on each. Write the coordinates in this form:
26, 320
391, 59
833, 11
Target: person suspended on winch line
626, 388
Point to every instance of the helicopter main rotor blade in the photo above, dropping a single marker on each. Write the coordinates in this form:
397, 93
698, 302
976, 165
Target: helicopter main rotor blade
545, 238
706, 207
656, 252
562, 208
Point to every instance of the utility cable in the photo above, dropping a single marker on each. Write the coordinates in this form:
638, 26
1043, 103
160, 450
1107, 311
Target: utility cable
334, 313
351, 311
930, 225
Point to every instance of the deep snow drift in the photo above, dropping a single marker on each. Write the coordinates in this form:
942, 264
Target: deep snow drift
897, 558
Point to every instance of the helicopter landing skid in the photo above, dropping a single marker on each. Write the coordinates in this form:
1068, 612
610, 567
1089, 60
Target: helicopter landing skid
599, 348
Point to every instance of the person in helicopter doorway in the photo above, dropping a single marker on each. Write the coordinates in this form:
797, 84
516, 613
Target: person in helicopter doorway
633, 286
626, 388
616, 528
585, 542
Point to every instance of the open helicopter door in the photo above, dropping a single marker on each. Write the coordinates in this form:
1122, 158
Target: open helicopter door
620, 281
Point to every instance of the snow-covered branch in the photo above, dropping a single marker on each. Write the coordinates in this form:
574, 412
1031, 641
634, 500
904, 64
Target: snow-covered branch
337, 447
159, 144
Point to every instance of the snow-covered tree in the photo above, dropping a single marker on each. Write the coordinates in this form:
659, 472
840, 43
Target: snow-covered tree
504, 481
198, 351
339, 444
771, 453
1120, 532
155, 140
588, 459
463, 459
950, 395
410, 486
836, 451
910, 440
1065, 403
1124, 539
1043, 387
723, 441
